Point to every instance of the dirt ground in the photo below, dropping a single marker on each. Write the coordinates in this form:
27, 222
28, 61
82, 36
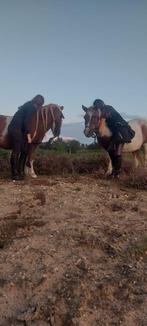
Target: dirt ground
72, 252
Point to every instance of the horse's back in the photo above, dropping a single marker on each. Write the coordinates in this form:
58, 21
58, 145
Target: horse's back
140, 128
4, 123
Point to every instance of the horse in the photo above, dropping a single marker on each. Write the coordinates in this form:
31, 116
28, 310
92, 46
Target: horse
48, 117
95, 125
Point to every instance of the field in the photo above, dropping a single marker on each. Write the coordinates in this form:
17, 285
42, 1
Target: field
73, 245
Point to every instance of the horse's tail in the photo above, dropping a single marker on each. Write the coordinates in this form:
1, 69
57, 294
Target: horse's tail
144, 130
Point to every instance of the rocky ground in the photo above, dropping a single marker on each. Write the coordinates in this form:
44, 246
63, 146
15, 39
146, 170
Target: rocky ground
73, 252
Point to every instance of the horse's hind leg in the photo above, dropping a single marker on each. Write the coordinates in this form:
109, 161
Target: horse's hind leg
145, 154
136, 159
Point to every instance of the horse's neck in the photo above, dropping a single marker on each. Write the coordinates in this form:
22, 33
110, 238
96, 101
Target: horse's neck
48, 118
104, 131
44, 118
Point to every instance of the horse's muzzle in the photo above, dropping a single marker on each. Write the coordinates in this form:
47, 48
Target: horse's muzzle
88, 132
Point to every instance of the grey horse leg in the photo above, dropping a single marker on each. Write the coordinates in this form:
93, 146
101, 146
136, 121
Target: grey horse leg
137, 159
145, 154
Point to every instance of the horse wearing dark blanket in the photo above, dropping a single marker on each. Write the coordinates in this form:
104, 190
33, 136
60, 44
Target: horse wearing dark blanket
46, 118
128, 138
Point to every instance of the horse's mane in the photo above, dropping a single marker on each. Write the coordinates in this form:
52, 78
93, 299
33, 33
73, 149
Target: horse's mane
51, 105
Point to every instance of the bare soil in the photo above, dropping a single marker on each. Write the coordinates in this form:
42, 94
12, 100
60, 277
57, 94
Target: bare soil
73, 252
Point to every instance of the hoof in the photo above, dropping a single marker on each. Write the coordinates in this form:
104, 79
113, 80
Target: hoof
34, 176
17, 178
114, 175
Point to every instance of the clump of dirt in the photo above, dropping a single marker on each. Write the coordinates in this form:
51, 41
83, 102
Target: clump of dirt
137, 179
40, 197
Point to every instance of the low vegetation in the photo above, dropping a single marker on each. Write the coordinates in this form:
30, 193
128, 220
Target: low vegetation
64, 158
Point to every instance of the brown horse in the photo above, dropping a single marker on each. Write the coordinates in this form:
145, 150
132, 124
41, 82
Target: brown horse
95, 125
48, 117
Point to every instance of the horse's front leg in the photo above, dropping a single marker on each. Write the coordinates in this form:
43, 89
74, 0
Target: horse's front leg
29, 168
116, 159
110, 167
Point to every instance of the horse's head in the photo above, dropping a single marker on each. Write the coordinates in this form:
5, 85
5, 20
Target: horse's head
56, 115
92, 118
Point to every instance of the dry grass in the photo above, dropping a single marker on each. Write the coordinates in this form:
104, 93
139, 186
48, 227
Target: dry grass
87, 163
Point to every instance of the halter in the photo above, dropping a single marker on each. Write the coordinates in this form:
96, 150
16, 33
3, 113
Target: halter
99, 125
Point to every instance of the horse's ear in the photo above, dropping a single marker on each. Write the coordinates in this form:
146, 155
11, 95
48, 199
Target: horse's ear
84, 108
62, 108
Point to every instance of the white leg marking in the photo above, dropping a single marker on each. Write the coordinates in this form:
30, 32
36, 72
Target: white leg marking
109, 170
30, 171
33, 174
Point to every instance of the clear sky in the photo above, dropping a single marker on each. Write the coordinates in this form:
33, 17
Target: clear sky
73, 51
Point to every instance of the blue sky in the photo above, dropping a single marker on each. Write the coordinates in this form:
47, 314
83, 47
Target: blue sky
73, 51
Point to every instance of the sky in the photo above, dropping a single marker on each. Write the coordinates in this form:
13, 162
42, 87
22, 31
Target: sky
73, 51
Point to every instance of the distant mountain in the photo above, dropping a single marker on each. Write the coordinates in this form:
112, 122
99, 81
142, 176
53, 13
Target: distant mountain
75, 129
127, 116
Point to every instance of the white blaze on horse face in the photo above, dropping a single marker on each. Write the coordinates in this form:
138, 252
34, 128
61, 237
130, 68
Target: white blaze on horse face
87, 130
